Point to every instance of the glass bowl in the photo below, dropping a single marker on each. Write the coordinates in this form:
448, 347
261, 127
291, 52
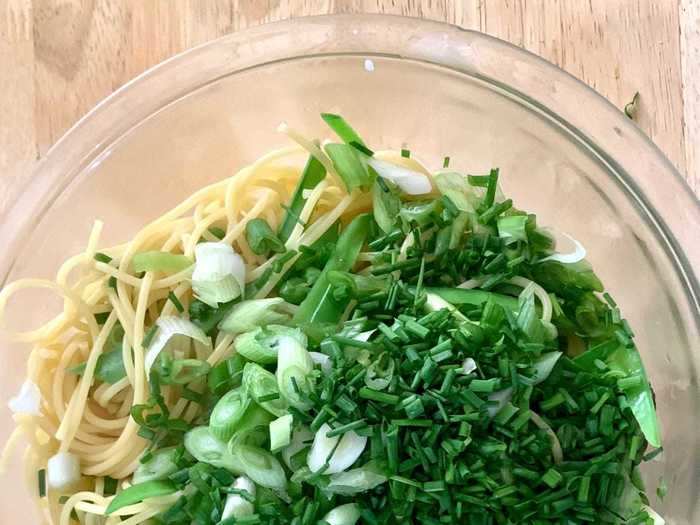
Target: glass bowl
564, 153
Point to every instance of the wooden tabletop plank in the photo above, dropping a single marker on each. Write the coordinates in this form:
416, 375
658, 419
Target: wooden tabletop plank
59, 59
690, 68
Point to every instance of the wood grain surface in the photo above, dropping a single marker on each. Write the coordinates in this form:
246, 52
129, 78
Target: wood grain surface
58, 58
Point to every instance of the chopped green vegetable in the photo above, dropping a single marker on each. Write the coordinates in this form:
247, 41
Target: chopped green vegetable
160, 466
342, 128
350, 166
261, 467
261, 344
261, 238
386, 205
140, 492
227, 413
207, 448
455, 187
110, 365
160, 262
280, 432
262, 386
313, 173
319, 306
248, 315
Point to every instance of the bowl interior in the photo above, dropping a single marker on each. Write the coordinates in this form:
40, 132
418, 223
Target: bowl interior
434, 111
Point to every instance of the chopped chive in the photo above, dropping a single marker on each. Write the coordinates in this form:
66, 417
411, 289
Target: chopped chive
146, 433
283, 259
217, 232
599, 404
481, 181
552, 478
148, 338
101, 317
380, 397
434, 486
491, 188
405, 153
553, 402
484, 385
41, 475
102, 257
268, 397
412, 422
191, 395
406, 481
110, 486
627, 383
651, 455
495, 210
339, 431
416, 329
173, 299
349, 341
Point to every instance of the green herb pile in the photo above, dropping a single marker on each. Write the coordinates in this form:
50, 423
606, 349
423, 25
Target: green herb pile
393, 396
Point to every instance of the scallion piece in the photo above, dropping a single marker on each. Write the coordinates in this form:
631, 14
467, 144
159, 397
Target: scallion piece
261, 467
140, 492
219, 273
280, 432
314, 172
347, 514
350, 166
155, 261
263, 388
241, 503
160, 466
334, 454
228, 412
294, 368
261, 238
340, 126
261, 345
248, 315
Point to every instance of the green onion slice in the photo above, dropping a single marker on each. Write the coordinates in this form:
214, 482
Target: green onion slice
261, 467
356, 480
262, 344
262, 386
294, 368
207, 448
155, 261
280, 432
409, 181
237, 505
219, 273
347, 514
140, 492
339, 452
261, 238
248, 315
169, 327
228, 412
455, 187
162, 464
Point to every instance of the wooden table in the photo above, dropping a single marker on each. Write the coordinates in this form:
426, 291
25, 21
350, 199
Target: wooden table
58, 58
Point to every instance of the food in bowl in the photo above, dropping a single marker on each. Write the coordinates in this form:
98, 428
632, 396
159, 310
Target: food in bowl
337, 335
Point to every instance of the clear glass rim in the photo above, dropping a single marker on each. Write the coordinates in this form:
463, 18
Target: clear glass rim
671, 209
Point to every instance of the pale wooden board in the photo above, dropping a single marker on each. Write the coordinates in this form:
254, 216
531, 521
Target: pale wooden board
58, 58
690, 65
